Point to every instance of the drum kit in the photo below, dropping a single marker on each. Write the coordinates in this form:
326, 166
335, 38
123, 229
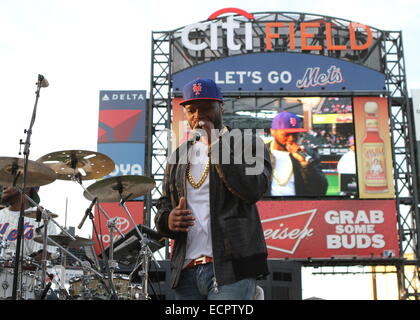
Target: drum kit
99, 280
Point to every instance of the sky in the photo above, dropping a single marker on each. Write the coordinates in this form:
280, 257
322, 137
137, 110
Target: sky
83, 47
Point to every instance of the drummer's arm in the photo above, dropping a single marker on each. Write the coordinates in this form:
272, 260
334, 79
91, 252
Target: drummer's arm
37, 255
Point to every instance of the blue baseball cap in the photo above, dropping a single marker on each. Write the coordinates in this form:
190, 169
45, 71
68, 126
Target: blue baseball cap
288, 122
201, 89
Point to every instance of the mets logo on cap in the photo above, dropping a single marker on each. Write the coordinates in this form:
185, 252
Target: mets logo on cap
197, 88
293, 122
201, 89
287, 122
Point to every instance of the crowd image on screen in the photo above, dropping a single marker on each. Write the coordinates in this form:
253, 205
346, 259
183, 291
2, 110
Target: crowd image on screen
325, 139
333, 105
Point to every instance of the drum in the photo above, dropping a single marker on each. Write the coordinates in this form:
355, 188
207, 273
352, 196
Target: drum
28, 280
4, 245
83, 286
6, 284
122, 286
136, 291
90, 287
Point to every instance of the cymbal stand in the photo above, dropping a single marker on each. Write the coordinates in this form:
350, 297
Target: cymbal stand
112, 263
111, 225
46, 217
79, 181
145, 251
82, 263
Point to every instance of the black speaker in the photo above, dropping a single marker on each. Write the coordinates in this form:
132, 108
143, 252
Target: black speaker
284, 281
159, 281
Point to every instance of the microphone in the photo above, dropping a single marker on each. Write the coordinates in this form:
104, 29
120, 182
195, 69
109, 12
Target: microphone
43, 82
197, 134
300, 152
306, 156
87, 212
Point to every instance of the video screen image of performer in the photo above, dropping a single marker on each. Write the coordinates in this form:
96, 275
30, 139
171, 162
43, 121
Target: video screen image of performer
346, 168
208, 205
296, 171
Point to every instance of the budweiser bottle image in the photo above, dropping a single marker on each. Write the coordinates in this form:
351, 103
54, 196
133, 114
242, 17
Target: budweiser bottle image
373, 149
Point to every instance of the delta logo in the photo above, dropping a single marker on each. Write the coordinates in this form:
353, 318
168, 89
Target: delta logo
304, 30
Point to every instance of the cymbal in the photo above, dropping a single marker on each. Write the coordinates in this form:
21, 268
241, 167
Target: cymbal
90, 164
111, 189
32, 213
37, 174
65, 241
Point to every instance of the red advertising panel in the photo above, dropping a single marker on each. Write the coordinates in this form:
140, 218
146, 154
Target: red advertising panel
123, 222
325, 229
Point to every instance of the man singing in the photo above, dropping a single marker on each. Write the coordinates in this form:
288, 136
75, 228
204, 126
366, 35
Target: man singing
208, 203
295, 173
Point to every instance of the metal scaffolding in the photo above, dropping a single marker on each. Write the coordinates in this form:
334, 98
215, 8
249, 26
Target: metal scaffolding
385, 55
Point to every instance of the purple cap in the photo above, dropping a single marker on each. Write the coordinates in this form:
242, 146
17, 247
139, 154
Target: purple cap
201, 89
287, 121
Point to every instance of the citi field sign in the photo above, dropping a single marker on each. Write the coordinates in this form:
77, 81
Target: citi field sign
233, 26
271, 52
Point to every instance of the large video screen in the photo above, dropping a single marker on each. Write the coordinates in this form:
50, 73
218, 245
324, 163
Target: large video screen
319, 146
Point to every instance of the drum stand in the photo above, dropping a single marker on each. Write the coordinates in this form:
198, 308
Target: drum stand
111, 225
145, 252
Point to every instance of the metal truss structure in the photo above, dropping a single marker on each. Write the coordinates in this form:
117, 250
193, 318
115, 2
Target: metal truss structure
384, 55
405, 171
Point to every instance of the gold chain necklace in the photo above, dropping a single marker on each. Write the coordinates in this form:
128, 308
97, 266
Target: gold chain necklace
204, 175
282, 184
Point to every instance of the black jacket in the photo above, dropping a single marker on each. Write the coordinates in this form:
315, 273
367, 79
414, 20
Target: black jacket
239, 248
309, 180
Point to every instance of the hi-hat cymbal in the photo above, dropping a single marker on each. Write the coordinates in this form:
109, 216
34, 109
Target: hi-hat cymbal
67, 163
37, 174
32, 213
65, 241
112, 189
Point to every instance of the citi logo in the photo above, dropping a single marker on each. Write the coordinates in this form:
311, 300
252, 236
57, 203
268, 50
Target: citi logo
230, 25
305, 31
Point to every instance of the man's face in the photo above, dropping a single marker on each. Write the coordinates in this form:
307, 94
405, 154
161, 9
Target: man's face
9, 193
204, 110
283, 138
